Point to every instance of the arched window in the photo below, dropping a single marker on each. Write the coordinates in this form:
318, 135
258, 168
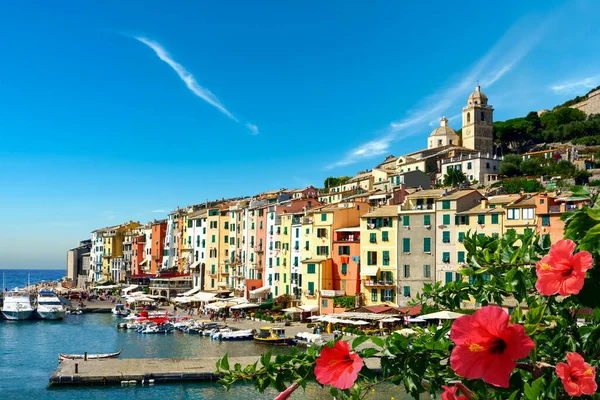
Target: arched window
482, 116
468, 118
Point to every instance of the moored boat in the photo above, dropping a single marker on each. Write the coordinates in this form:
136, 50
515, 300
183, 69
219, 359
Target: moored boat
89, 356
49, 306
247, 334
17, 305
120, 310
274, 336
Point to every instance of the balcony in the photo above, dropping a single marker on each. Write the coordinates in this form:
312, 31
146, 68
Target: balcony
554, 209
307, 220
225, 271
418, 207
171, 286
372, 283
258, 249
332, 293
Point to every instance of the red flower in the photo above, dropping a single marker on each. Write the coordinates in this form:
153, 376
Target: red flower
338, 366
561, 271
487, 346
578, 377
450, 393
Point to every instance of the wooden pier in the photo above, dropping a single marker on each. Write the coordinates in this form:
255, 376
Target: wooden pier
141, 370
118, 371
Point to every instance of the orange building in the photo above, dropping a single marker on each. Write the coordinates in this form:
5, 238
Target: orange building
345, 266
159, 231
137, 253
550, 209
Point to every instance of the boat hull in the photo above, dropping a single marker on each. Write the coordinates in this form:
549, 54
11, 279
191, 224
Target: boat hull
51, 315
274, 341
17, 315
89, 356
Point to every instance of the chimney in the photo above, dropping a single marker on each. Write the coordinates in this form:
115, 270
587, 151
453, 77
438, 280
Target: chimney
484, 203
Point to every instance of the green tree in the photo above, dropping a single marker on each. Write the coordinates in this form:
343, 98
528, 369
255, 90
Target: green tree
531, 167
332, 181
511, 165
454, 177
561, 116
581, 177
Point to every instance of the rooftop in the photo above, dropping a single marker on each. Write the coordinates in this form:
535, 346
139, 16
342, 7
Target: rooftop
422, 194
458, 194
383, 211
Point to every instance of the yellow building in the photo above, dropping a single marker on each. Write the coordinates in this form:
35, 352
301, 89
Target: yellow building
113, 263
378, 247
520, 214
213, 235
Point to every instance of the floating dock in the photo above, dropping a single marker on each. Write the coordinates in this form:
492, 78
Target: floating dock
129, 371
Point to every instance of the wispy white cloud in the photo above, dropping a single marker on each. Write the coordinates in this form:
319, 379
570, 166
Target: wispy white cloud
158, 211
190, 81
512, 47
252, 128
576, 84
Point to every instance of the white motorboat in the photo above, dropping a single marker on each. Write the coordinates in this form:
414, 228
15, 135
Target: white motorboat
49, 306
121, 310
17, 305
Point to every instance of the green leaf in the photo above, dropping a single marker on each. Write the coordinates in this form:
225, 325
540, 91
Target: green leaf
333, 392
265, 359
513, 396
533, 392
535, 315
516, 315
358, 341
367, 353
378, 341
225, 363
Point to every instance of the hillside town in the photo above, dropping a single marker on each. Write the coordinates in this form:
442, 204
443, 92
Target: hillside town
375, 239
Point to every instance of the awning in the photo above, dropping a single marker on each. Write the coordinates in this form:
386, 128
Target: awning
377, 196
313, 261
203, 296
144, 262
368, 271
129, 289
353, 229
309, 308
261, 290
190, 292
293, 310
194, 265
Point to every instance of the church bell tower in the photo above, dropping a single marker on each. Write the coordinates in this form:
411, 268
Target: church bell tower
477, 120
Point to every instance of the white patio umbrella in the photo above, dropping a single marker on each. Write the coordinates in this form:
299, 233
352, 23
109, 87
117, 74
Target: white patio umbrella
361, 323
391, 320
316, 317
442, 315
244, 305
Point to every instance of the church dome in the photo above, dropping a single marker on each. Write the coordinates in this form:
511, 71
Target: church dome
443, 129
477, 97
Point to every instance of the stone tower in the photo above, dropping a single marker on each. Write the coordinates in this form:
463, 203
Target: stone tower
477, 120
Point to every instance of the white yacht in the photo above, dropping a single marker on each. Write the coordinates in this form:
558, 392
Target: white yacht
49, 306
17, 305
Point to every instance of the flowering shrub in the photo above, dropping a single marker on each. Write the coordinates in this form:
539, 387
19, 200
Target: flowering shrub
489, 354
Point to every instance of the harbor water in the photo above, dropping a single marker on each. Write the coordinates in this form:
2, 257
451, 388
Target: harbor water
29, 355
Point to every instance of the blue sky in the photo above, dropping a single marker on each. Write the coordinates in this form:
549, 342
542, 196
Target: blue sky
112, 110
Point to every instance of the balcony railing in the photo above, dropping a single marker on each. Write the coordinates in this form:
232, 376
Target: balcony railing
171, 286
258, 249
378, 283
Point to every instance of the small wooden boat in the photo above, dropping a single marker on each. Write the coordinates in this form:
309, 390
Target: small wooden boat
275, 336
89, 356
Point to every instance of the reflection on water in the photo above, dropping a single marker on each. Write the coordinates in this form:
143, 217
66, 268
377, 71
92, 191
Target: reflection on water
29, 354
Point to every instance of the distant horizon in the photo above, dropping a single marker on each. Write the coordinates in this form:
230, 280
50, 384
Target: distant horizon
34, 269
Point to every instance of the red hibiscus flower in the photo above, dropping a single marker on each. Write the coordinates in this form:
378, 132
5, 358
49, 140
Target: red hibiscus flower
578, 377
450, 393
561, 271
487, 346
338, 366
